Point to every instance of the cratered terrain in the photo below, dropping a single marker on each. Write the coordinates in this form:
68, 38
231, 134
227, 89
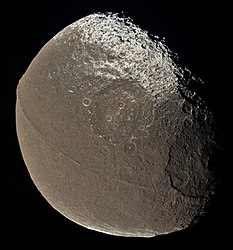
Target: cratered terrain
112, 134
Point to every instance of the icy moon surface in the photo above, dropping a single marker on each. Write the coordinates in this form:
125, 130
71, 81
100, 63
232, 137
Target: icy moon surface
111, 133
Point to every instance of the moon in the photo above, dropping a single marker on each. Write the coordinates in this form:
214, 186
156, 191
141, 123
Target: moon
111, 132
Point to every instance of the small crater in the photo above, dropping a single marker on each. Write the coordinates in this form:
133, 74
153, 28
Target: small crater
203, 117
141, 127
52, 73
149, 143
110, 138
167, 122
193, 154
72, 89
179, 179
199, 151
108, 118
187, 108
120, 104
104, 150
188, 123
144, 134
143, 46
176, 135
86, 101
130, 147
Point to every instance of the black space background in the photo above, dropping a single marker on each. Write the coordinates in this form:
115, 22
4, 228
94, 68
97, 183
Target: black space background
193, 30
